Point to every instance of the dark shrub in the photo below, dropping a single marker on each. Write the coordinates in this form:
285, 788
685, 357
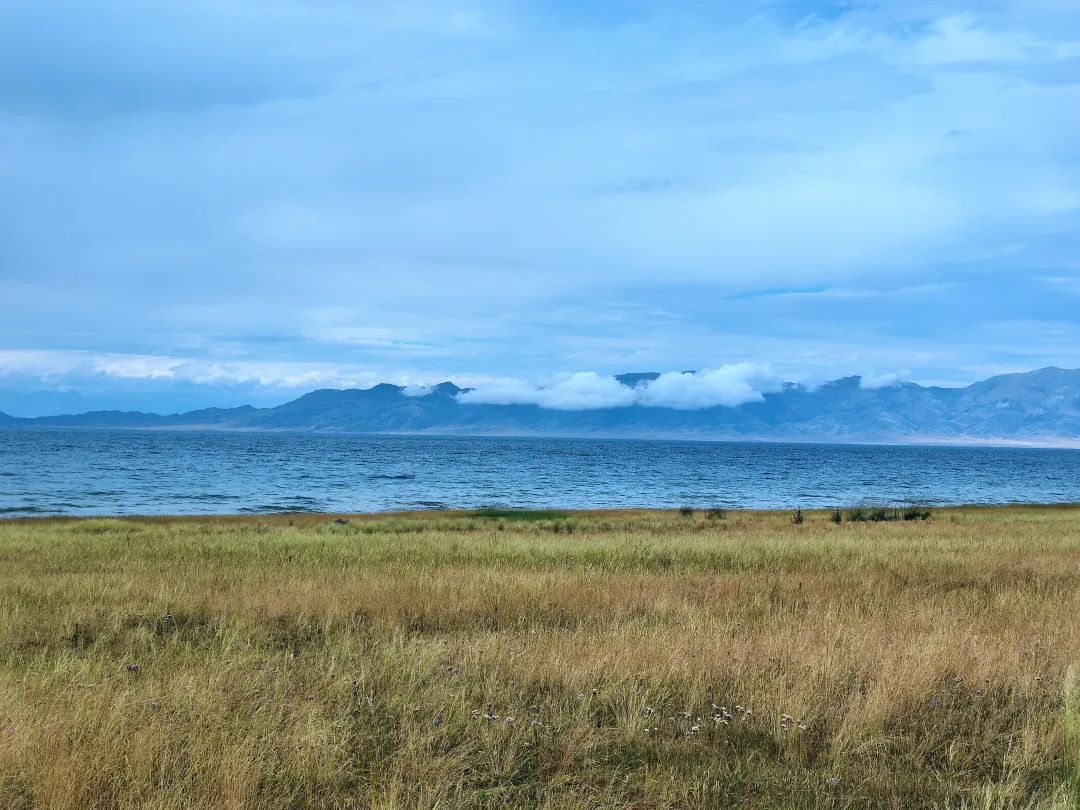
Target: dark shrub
837, 516
916, 513
798, 517
686, 511
882, 514
716, 514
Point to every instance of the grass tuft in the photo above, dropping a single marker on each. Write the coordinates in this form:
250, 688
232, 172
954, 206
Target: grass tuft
1071, 723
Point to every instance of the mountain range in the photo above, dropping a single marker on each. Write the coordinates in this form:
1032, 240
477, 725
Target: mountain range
1037, 408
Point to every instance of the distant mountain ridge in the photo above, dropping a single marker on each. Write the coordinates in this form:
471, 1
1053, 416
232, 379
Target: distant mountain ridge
1037, 407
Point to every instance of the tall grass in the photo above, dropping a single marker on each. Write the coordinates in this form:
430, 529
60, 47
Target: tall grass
1072, 731
637, 659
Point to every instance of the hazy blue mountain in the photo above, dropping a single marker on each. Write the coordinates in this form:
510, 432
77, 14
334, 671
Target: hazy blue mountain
1038, 407
42, 403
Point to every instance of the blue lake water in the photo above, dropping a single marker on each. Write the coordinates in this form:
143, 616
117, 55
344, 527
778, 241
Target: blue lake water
73, 472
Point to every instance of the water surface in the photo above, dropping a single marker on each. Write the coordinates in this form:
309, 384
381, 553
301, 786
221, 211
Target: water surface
77, 472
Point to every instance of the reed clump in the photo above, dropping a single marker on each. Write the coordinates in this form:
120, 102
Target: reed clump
640, 659
885, 514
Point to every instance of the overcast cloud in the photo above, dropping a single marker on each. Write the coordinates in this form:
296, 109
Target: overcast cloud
229, 201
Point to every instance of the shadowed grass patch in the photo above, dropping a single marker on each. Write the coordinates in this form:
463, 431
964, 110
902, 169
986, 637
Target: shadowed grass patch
519, 514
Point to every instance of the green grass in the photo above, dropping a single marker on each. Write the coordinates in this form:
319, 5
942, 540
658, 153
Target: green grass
519, 514
562, 659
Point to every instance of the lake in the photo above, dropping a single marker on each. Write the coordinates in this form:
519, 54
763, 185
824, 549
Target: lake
71, 472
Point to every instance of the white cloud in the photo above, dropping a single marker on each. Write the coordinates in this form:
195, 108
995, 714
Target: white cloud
728, 385
585, 390
870, 382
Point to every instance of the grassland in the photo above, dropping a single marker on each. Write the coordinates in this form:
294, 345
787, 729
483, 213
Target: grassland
631, 659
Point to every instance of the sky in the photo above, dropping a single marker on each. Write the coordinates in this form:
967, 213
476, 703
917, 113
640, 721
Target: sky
220, 202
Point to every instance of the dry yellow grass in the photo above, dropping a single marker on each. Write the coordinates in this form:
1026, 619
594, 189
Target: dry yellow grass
630, 659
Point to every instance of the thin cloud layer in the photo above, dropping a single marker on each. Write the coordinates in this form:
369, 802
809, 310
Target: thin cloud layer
72, 366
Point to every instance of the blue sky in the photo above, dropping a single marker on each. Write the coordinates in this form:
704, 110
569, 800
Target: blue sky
228, 201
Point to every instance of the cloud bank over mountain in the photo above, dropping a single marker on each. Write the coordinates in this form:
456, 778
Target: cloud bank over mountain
585, 390
736, 402
727, 385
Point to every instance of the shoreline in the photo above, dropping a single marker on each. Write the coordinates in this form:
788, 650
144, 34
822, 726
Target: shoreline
550, 513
